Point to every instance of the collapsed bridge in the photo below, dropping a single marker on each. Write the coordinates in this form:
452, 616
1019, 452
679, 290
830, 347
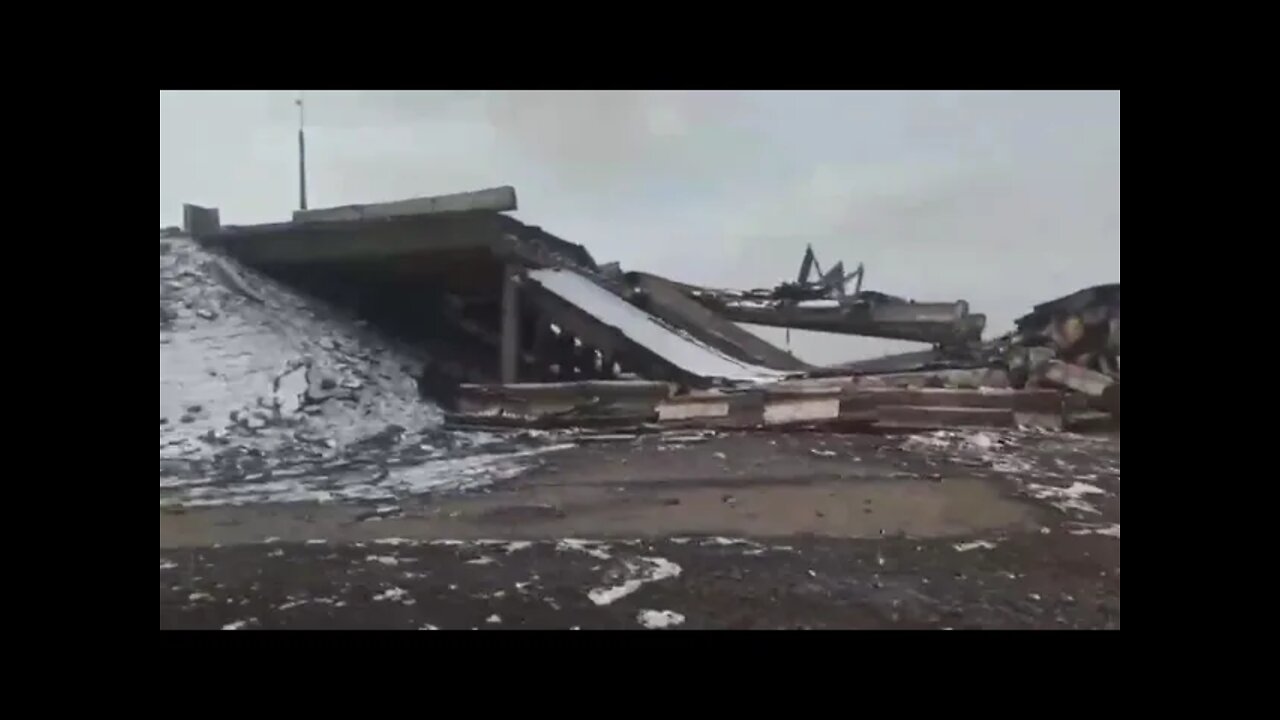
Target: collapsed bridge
490, 300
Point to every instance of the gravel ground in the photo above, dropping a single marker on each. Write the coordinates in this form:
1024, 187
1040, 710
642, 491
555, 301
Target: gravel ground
945, 530
1055, 580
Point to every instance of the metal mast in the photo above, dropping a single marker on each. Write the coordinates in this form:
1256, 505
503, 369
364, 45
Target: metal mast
302, 155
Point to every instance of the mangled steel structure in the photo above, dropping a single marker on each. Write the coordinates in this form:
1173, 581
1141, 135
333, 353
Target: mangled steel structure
835, 302
518, 326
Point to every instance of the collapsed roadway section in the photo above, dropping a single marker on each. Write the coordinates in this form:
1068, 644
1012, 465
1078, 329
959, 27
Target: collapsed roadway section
491, 301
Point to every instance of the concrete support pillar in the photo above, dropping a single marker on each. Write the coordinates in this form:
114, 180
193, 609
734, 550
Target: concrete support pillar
510, 352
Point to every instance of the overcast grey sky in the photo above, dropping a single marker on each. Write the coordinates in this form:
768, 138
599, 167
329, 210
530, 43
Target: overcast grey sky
1005, 199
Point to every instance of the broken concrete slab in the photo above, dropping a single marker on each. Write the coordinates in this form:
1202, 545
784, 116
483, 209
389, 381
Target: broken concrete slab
200, 221
1031, 400
838, 404
1077, 378
666, 300
617, 322
498, 199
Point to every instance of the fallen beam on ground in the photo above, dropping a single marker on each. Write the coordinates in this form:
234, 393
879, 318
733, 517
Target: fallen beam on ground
838, 405
961, 378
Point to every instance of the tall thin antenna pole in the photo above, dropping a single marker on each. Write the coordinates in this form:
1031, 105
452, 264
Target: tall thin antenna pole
302, 155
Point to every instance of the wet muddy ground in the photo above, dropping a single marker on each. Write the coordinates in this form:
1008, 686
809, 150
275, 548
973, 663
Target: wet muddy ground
941, 530
1033, 581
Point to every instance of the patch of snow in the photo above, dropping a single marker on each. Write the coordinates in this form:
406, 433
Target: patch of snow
266, 350
1068, 498
482, 560
495, 618
724, 542
982, 441
428, 626
518, 545
383, 559
1111, 530
198, 596
167, 565
658, 619
292, 604
317, 541
238, 624
818, 304
749, 304
824, 453
591, 547
976, 544
392, 593
649, 569
393, 541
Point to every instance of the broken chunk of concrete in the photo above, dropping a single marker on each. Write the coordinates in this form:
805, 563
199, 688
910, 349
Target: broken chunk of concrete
1077, 378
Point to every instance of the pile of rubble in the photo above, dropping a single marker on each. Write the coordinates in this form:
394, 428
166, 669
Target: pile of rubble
1071, 343
1059, 369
